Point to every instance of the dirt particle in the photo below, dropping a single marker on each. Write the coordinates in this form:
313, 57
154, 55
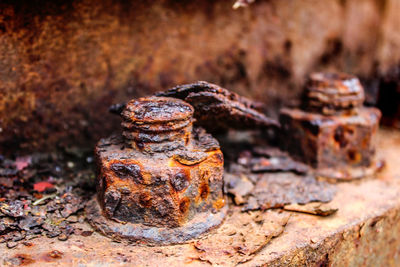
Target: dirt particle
63, 237
55, 254
86, 233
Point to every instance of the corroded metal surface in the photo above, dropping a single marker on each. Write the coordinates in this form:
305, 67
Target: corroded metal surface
64, 62
162, 182
260, 159
333, 132
260, 177
340, 147
154, 235
218, 109
278, 190
363, 232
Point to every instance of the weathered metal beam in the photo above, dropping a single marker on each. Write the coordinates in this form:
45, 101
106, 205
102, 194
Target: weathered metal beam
365, 231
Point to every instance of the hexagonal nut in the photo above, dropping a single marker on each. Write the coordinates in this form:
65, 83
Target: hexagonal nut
161, 191
338, 142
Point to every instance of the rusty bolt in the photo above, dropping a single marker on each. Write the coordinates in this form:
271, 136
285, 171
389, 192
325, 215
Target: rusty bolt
162, 181
333, 93
333, 132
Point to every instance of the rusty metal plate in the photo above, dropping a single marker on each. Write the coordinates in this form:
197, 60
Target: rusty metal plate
266, 191
218, 109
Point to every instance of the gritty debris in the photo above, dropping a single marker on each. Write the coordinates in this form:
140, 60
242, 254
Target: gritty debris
39, 195
277, 190
314, 208
268, 159
264, 177
238, 186
232, 244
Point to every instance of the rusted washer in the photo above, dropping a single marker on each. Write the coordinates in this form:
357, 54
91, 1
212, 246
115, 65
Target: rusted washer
158, 184
139, 233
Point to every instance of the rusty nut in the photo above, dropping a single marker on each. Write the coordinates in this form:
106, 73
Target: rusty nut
162, 181
333, 133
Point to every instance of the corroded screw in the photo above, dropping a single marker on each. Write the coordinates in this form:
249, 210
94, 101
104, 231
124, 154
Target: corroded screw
162, 182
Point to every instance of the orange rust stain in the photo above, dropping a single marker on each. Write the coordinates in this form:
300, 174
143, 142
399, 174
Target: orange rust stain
354, 156
182, 168
52, 255
184, 205
187, 138
215, 157
24, 259
219, 204
204, 191
146, 176
145, 199
365, 142
205, 173
173, 163
185, 170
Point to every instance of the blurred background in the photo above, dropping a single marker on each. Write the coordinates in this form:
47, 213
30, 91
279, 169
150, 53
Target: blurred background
63, 63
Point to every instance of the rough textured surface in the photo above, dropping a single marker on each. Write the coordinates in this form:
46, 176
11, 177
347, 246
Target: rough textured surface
338, 146
157, 189
62, 63
277, 190
232, 243
141, 233
260, 159
43, 195
363, 232
162, 182
333, 93
218, 109
332, 132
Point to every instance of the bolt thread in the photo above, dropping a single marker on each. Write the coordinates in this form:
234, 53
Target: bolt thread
157, 123
333, 93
